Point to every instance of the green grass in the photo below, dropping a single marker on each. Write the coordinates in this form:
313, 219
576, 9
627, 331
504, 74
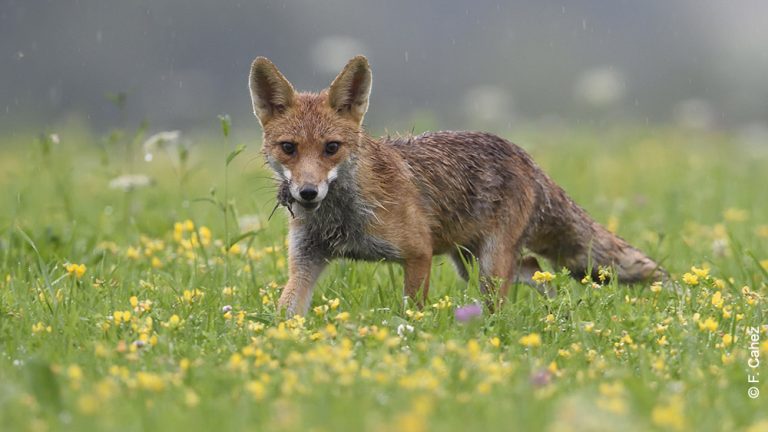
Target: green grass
202, 348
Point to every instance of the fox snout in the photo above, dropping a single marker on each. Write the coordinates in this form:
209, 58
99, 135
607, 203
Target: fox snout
308, 192
309, 195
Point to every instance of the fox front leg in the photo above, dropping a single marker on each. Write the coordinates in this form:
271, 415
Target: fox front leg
304, 267
297, 294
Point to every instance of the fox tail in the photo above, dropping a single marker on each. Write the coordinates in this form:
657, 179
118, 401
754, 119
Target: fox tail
570, 238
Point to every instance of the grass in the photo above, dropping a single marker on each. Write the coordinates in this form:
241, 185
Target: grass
127, 310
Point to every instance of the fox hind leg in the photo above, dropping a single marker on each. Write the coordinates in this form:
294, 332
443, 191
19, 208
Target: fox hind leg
417, 270
462, 258
498, 267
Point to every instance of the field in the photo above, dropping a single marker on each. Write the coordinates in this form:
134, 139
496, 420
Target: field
148, 302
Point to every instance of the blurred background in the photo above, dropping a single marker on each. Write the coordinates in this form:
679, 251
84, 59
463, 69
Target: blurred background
438, 64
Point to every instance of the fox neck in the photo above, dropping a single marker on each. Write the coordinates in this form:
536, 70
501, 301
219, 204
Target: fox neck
344, 203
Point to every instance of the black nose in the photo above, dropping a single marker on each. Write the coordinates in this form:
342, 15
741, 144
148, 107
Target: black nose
308, 193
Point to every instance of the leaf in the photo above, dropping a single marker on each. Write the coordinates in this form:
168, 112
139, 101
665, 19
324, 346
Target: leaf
42, 267
209, 200
241, 237
235, 152
226, 124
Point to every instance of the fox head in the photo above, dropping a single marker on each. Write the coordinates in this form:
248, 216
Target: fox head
310, 138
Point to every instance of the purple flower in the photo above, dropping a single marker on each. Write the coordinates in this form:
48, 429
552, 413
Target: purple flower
541, 378
468, 312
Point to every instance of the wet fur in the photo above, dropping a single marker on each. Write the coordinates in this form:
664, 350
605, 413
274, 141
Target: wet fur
466, 194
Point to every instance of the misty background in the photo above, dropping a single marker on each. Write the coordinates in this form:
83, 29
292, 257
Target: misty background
441, 64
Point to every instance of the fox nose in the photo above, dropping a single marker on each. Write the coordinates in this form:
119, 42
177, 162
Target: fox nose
308, 193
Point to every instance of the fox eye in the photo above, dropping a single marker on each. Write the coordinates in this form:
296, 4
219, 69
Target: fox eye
289, 148
332, 147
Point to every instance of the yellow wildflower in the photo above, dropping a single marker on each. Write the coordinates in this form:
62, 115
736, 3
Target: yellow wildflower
603, 273
762, 231
443, 303
205, 235
330, 330
552, 368
191, 399
701, 273
236, 362
74, 373
132, 253
77, 270
543, 277
727, 340
691, 279
320, 310
613, 405
717, 299
415, 315
40, 327
173, 321
735, 215
708, 324
531, 340
88, 404
256, 389
670, 416
150, 381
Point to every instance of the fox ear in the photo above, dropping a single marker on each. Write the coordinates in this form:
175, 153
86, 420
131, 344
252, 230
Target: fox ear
349, 92
271, 93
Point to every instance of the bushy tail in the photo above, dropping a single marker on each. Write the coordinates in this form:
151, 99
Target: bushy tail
566, 235
607, 249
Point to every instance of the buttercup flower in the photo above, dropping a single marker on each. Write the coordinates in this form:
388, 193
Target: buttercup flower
691, 279
77, 270
531, 340
542, 277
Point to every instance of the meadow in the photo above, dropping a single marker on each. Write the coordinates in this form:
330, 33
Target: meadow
138, 285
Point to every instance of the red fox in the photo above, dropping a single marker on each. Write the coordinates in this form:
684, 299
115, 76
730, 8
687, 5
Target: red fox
471, 195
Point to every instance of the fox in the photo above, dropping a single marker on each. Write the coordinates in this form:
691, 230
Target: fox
471, 195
